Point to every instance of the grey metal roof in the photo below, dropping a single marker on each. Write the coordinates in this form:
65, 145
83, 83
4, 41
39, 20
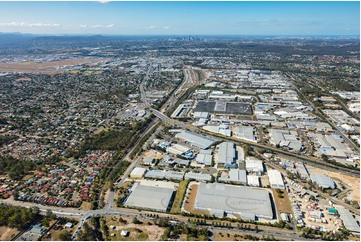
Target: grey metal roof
204, 159
323, 181
348, 220
246, 132
238, 175
151, 197
196, 139
235, 176
275, 179
175, 175
254, 165
198, 176
207, 152
234, 200
226, 153
155, 174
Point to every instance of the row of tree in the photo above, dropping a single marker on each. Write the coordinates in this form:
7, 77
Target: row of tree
18, 217
16, 169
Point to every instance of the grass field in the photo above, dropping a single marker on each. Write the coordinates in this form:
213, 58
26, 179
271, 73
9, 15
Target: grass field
177, 204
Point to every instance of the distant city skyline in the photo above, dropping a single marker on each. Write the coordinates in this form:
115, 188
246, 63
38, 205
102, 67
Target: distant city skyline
182, 18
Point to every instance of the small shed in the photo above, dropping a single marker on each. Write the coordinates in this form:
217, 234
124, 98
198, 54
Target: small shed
124, 233
332, 211
68, 225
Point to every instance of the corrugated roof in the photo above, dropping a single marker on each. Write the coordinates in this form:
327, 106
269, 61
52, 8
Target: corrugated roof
348, 220
157, 198
234, 200
323, 181
196, 139
226, 153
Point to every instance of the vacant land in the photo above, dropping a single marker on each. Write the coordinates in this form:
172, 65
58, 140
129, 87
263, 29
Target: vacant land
229, 236
177, 204
282, 204
143, 231
153, 154
7, 233
86, 205
191, 199
51, 67
352, 182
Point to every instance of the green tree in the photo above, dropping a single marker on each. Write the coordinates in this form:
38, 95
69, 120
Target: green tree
65, 236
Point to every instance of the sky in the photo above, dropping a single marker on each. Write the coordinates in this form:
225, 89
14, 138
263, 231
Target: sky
182, 18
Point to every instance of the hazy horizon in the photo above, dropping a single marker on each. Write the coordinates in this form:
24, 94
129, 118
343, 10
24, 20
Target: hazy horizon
182, 18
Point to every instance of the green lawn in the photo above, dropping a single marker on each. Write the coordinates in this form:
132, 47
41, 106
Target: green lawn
176, 207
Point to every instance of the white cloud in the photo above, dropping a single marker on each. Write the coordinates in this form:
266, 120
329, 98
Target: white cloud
44, 25
99, 26
151, 27
29, 25
54, 25
166, 27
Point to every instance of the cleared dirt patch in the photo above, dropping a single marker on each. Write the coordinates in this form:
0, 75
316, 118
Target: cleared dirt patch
352, 182
7, 233
50, 67
191, 199
86, 206
153, 154
138, 232
229, 236
282, 204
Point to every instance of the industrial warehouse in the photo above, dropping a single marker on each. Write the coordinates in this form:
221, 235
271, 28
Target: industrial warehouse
224, 107
156, 196
223, 200
197, 140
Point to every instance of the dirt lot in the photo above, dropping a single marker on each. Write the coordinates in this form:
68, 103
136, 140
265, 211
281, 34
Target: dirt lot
153, 153
45, 67
7, 233
229, 236
282, 204
350, 181
191, 194
148, 232
86, 205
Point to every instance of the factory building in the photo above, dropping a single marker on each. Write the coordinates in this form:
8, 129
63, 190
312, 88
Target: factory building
223, 200
204, 159
253, 181
138, 173
235, 176
198, 176
275, 179
323, 182
158, 198
246, 133
227, 155
254, 165
195, 139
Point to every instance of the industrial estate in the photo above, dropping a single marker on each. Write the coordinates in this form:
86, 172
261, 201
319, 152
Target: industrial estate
179, 138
